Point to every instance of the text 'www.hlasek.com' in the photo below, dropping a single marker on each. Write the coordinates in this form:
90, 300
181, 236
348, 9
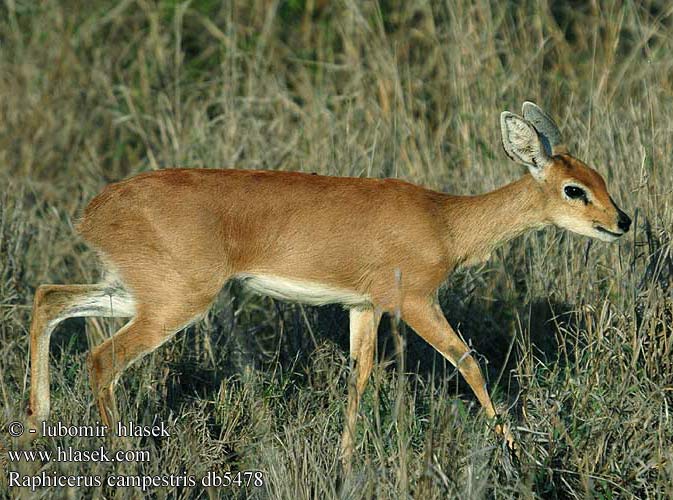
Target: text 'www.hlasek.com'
47, 477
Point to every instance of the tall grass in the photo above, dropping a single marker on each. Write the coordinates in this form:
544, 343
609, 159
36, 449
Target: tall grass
575, 338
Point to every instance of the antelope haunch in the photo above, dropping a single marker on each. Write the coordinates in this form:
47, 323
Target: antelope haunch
170, 239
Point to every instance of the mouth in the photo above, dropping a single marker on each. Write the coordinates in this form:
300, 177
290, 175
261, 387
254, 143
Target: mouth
607, 232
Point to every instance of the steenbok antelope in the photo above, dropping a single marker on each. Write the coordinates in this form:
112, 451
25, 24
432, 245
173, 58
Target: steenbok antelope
170, 239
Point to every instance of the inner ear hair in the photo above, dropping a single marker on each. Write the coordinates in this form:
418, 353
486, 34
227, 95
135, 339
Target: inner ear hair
521, 141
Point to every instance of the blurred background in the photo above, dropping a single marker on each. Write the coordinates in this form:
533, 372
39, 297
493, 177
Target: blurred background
575, 338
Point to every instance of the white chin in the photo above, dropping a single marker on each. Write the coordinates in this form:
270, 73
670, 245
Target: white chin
592, 232
605, 236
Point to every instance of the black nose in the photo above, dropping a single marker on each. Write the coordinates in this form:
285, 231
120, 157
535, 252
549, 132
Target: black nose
624, 221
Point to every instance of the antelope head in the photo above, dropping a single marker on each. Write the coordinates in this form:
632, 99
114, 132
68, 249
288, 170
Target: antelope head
575, 195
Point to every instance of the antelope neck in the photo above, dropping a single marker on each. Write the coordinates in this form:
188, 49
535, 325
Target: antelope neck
478, 224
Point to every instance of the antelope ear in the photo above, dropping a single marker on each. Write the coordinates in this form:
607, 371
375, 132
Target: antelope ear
546, 127
523, 145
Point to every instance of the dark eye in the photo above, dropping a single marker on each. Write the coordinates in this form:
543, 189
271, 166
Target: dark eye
575, 193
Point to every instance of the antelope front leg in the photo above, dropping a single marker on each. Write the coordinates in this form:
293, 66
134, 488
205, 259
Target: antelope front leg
426, 318
363, 327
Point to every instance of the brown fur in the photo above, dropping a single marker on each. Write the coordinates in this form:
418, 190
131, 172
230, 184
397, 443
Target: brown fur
174, 237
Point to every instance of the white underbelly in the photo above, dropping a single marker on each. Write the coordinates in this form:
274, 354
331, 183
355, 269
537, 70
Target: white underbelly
306, 292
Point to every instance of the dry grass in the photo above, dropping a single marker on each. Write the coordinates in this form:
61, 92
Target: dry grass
577, 338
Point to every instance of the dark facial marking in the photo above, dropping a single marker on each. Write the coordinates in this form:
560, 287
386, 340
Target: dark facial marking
565, 161
623, 220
